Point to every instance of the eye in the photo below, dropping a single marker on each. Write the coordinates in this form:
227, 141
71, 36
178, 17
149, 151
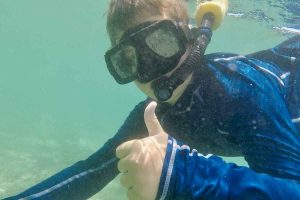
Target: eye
163, 42
125, 61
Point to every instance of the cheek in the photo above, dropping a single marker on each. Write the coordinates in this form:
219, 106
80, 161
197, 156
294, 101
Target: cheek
146, 88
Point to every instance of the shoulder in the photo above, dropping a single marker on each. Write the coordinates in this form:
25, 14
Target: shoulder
243, 74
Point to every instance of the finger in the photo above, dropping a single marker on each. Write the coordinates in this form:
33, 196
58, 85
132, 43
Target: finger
126, 165
124, 149
132, 194
127, 180
151, 120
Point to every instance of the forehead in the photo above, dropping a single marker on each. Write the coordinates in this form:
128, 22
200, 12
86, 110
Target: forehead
116, 34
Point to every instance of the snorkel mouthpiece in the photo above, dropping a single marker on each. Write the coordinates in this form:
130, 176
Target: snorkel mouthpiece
208, 16
163, 91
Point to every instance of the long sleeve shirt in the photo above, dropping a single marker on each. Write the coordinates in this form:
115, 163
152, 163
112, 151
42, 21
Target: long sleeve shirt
236, 105
188, 174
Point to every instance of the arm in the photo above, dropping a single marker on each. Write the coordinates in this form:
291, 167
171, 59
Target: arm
87, 177
186, 174
189, 175
272, 143
263, 93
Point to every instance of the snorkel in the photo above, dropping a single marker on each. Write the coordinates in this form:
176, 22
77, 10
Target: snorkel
209, 15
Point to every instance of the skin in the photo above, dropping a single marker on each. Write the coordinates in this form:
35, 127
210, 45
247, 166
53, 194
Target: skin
141, 160
146, 87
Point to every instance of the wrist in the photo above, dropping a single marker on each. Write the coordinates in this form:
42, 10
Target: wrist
167, 178
185, 172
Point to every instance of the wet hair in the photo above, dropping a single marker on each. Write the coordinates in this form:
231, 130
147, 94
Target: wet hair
123, 14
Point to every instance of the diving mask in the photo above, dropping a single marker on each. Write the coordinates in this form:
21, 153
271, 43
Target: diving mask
147, 51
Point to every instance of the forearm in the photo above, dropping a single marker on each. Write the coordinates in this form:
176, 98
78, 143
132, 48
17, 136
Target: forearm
87, 177
188, 174
79, 181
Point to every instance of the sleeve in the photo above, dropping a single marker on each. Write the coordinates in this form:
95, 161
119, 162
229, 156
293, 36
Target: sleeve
87, 177
284, 55
262, 114
286, 58
267, 129
190, 175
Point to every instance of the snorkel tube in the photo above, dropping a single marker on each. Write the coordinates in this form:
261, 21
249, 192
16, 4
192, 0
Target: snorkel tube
209, 15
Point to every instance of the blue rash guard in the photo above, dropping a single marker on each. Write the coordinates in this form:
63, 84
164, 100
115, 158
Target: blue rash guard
235, 106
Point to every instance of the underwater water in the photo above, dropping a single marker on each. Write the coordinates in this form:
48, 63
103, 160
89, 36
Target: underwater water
58, 102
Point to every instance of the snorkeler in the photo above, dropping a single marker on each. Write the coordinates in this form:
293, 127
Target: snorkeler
222, 104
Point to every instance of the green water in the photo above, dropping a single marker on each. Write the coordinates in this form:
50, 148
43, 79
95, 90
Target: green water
58, 103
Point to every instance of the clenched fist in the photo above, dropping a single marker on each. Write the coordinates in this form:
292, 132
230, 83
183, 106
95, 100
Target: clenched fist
141, 161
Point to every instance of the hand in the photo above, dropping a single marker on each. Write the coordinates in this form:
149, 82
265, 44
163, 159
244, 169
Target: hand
141, 161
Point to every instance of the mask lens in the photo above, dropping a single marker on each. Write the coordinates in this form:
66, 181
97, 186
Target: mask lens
124, 62
163, 42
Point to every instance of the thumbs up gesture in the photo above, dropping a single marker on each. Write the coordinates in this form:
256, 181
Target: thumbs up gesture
141, 161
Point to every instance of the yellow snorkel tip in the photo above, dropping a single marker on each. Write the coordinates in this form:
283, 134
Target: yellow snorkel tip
216, 7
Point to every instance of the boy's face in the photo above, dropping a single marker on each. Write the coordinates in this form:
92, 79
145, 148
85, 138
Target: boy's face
117, 35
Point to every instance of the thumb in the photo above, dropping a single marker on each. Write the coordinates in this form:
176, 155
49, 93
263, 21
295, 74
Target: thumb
151, 121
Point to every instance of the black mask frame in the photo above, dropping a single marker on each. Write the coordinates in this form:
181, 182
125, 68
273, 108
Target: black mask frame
150, 65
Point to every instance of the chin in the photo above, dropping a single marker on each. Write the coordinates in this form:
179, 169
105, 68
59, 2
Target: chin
146, 89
